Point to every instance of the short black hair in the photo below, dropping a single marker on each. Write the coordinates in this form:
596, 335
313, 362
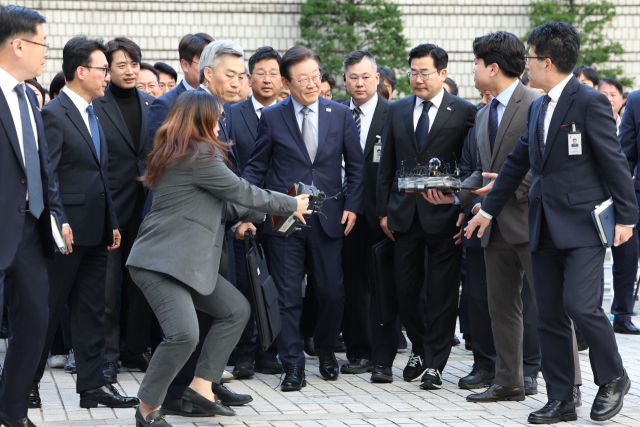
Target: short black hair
262, 54
57, 83
16, 20
166, 69
128, 46
294, 56
557, 41
439, 55
589, 73
502, 48
77, 53
613, 82
149, 67
326, 77
389, 75
452, 85
356, 57
192, 45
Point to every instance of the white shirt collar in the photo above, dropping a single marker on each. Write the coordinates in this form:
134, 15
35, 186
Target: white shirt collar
257, 104
77, 100
436, 100
205, 88
504, 96
555, 93
368, 107
187, 85
8, 82
297, 106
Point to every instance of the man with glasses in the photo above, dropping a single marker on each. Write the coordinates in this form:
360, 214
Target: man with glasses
303, 139
431, 123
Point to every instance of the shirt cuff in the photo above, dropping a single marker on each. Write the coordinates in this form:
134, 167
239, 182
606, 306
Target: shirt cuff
486, 215
474, 206
235, 226
66, 225
456, 199
631, 226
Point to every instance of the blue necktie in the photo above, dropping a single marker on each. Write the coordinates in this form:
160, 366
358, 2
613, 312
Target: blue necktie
31, 157
422, 129
543, 113
493, 122
95, 133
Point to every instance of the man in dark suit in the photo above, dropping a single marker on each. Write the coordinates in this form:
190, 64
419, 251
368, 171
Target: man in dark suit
431, 123
566, 251
79, 159
303, 139
123, 115
29, 192
369, 112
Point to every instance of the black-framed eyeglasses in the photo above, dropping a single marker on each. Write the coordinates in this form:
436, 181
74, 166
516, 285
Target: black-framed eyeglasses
527, 59
414, 75
45, 46
106, 70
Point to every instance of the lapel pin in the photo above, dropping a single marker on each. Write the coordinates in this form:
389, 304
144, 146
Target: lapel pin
449, 108
146, 103
328, 110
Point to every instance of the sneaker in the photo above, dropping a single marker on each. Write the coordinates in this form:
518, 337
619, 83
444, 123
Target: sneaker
431, 380
414, 369
58, 361
70, 366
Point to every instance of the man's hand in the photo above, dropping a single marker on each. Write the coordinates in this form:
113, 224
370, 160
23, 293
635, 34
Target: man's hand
477, 221
436, 197
67, 234
383, 225
622, 234
116, 240
350, 219
485, 190
458, 237
245, 226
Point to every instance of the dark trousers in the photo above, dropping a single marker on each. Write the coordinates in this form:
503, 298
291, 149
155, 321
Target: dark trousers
430, 329
25, 287
309, 316
311, 249
568, 285
79, 278
625, 268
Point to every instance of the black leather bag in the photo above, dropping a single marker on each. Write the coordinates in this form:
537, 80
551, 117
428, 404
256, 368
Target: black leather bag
383, 280
265, 295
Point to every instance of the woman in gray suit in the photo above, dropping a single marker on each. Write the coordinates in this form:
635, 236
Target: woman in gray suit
176, 256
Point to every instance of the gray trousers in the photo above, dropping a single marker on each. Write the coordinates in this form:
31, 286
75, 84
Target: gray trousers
175, 305
506, 264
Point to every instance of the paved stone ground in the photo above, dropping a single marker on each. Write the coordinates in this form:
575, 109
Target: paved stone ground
351, 401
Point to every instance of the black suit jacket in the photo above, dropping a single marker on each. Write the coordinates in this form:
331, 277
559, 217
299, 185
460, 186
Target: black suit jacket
245, 128
450, 127
83, 181
127, 161
371, 183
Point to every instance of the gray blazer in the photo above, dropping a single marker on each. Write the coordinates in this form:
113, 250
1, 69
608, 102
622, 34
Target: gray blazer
513, 222
183, 234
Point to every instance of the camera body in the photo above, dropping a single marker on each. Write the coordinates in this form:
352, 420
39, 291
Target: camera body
316, 197
287, 225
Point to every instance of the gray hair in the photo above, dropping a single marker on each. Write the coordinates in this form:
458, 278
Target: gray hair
214, 52
356, 57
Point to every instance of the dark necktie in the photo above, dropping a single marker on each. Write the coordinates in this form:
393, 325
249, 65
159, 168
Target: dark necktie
356, 116
543, 113
422, 130
31, 157
224, 119
493, 122
95, 133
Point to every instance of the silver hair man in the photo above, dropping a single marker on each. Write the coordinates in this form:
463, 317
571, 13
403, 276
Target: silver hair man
214, 52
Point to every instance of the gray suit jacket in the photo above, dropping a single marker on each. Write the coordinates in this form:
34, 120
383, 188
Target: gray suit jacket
183, 234
512, 220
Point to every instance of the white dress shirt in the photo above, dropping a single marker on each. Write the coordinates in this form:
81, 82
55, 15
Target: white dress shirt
257, 106
80, 104
435, 104
368, 108
187, 85
503, 99
312, 117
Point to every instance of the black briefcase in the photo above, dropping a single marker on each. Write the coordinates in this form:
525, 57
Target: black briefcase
265, 294
384, 281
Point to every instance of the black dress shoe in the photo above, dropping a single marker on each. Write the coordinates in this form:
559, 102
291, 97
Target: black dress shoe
182, 408
358, 366
156, 418
497, 393
609, 399
530, 386
340, 346
456, 340
582, 342
107, 396
382, 374
577, 396
294, 379
554, 411
268, 365
110, 372
626, 328
138, 361
328, 364
402, 342
478, 378
208, 406
309, 347
229, 398
6, 420
244, 367
34, 396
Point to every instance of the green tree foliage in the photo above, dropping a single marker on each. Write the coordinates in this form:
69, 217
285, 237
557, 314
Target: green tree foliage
334, 28
589, 18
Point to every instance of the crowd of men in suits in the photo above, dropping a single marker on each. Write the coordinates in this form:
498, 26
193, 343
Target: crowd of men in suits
533, 272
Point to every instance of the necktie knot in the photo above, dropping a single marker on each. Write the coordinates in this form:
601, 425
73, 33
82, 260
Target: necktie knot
356, 111
20, 89
426, 106
546, 100
494, 104
305, 111
90, 111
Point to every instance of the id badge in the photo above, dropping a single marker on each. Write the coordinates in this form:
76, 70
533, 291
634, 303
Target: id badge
377, 150
575, 141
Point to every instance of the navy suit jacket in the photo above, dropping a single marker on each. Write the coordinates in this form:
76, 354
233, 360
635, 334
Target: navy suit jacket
83, 181
245, 128
568, 187
468, 164
279, 144
629, 135
13, 177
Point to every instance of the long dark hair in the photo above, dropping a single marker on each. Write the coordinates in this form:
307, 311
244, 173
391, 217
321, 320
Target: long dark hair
191, 120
